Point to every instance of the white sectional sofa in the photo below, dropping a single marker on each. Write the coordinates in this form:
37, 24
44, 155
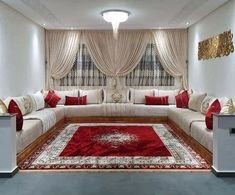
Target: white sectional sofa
191, 122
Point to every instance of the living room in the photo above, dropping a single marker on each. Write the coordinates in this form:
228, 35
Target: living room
117, 97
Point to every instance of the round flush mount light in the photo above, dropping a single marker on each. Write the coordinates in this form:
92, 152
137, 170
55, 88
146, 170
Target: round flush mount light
115, 16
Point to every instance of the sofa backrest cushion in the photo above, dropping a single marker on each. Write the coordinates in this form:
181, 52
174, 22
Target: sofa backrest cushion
14, 108
170, 93
62, 94
228, 107
208, 100
156, 100
116, 96
75, 100
214, 108
195, 101
38, 101
94, 96
138, 95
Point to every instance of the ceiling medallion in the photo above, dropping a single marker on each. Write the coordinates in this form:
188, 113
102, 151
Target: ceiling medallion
115, 16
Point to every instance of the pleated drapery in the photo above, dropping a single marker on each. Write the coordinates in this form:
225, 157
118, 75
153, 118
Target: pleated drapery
116, 58
172, 52
61, 49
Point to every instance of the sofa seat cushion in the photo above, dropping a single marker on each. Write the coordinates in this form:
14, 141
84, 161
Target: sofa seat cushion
83, 110
150, 110
184, 117
203, 135
31, 130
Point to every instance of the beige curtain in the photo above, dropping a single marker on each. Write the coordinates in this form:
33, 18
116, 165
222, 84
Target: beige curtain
116, 58
61, 49
172, 52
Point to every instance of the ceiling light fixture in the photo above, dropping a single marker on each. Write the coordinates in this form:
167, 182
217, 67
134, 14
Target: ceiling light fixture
115, 16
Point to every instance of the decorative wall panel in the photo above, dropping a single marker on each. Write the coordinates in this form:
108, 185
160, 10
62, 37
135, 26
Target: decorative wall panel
216, 46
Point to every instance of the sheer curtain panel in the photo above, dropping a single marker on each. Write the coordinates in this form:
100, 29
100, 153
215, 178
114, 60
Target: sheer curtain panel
61, 49
172, 52
116, 58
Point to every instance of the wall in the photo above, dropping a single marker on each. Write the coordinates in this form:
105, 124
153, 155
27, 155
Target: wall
22, 54
214, 76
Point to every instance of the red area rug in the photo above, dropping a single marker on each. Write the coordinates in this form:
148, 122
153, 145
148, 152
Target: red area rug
115, 147
115, 141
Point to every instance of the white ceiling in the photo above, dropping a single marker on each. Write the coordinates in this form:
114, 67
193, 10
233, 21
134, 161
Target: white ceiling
85, 14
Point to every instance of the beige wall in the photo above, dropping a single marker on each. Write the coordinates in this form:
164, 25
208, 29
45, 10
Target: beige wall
22, 54
214, 76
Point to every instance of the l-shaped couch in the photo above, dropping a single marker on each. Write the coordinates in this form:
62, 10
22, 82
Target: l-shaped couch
100, 103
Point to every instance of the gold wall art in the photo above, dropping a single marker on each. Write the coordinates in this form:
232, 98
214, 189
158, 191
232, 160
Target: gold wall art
216, 46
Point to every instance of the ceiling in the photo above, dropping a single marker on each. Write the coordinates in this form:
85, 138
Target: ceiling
85, 14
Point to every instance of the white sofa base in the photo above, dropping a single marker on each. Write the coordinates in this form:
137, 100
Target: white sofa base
192, 123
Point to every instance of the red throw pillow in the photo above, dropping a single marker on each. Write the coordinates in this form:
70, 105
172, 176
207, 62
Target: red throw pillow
52, 99
214, 108
182, 100
75, 100
14, 108
156, 100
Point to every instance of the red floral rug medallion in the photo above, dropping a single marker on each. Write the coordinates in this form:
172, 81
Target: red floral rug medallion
115, 146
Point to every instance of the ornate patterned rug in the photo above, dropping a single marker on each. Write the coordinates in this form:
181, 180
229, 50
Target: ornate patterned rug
115, 146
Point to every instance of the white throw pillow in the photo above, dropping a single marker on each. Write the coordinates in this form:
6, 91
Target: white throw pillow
94, 96
62, 94
195, 101
24, 103
3, 107
170, 93
228, 107
138, 95
38, 101
223, 101
120, 95
208, 100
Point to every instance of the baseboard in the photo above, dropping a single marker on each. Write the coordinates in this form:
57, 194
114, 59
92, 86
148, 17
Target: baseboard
9, 174
222, 173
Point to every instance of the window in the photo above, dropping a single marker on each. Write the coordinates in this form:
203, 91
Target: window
84, 71
149, 71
